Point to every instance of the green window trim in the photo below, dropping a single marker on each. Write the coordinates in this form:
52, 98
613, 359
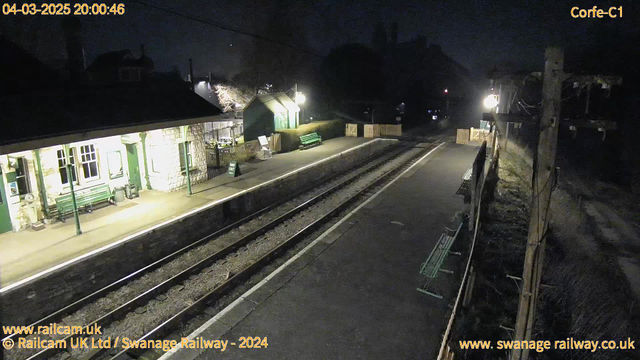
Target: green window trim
181, 155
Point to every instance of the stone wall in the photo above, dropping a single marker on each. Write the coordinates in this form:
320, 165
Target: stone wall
44, 295
162, 148
164, 158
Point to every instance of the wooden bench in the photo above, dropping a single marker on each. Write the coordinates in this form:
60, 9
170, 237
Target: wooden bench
464, 187
310, 140
432, 267
85, 199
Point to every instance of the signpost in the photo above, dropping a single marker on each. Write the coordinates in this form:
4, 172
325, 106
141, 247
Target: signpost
234, 169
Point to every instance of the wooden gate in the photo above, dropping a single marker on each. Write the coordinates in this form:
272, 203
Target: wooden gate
351, 130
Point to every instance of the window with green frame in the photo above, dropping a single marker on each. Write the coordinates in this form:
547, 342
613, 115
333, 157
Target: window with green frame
181, 153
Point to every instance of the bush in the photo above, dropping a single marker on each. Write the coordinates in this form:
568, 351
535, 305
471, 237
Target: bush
327, 129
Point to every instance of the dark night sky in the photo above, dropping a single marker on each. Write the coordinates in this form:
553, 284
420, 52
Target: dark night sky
477, 34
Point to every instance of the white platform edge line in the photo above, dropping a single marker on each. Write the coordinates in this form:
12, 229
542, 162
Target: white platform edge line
230, 307
179, 217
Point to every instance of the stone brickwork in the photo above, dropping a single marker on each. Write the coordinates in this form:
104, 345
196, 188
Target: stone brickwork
164, 153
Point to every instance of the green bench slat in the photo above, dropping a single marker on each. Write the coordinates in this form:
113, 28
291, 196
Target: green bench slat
432, 266
84, 197
310, 138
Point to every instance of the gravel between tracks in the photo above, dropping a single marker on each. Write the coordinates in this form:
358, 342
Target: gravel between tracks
153, 313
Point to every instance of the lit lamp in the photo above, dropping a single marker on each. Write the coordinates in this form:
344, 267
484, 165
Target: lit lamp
300, 99
491, 101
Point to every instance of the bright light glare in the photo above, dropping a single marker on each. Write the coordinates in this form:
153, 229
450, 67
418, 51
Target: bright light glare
300, 98
491, 101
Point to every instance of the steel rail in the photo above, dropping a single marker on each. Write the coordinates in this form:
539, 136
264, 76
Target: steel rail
256, 266
59, 314
165, 285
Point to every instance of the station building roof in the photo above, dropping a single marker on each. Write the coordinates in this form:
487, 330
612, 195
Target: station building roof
38, 120
276, 102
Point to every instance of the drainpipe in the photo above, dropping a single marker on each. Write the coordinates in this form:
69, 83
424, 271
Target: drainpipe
43, 191
185, 130
143, 138
73, 194
186, 166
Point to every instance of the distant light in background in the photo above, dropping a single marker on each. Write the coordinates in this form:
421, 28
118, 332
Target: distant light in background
491, 101
446, 91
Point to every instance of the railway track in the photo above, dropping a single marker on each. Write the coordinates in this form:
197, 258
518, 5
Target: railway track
158, 292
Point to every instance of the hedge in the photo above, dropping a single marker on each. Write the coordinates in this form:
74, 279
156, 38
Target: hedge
328, 129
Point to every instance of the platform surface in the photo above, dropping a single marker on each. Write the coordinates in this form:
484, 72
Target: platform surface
352, 293
29, 252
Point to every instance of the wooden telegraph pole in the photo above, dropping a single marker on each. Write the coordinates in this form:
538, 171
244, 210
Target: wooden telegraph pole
543, 181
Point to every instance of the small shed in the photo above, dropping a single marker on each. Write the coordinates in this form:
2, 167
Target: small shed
268, 113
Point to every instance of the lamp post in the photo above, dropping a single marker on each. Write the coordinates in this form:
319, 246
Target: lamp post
446, 98
73, 194
491, 102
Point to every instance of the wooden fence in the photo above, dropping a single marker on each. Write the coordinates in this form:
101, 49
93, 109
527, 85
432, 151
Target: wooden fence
371, 130
377, 130
390, 130
482, 187
462, 137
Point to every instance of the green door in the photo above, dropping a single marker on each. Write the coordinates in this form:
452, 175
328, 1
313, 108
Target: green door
134, 167
5, 219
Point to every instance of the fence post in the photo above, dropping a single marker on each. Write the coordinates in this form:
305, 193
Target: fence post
217, 150
469, 290
542, 187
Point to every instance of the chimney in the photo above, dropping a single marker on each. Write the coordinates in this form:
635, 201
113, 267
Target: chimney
142, 51
193, 88
75, 52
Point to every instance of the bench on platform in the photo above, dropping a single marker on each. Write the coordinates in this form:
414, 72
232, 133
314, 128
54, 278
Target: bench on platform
464, 188
85, 199
310, 140
432, 267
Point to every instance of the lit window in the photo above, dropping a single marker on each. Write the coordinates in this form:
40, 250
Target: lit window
62, 166
114, 161
22, 176
155, 157
181, 152
89, 162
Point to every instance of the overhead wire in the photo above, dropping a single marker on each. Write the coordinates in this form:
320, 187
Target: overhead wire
227, 28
